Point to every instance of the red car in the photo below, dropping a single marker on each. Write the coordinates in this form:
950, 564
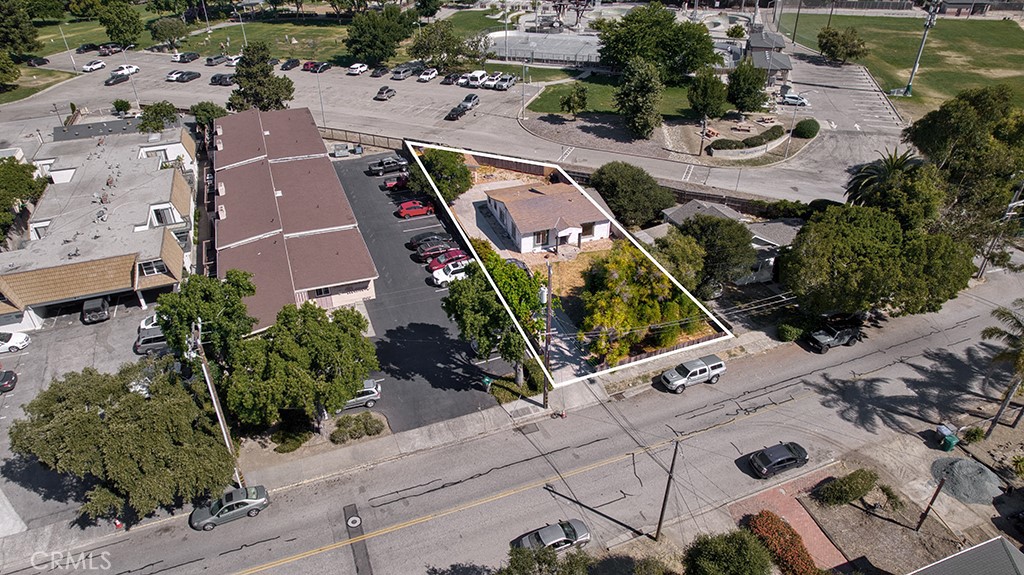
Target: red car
446, 258
415, 208
398, 183
308, 66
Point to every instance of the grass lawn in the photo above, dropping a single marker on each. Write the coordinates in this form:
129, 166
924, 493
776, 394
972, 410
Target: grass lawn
533, 74
470, 22
600, 97
313, 40
85, 32
32, 80
960, 54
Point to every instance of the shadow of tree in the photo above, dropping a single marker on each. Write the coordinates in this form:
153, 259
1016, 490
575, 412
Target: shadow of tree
606, 127
427, 351
553, 119
460, 569
29, 473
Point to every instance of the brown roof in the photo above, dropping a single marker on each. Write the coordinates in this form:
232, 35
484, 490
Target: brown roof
249, 204
292, 134
333, 258
241, 138
311, 196
69, 281
267, 260
537, 208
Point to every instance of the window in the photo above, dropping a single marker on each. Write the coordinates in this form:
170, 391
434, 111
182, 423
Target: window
588, 230
153, 268
38, 230
540, 238
163, 216
322, 292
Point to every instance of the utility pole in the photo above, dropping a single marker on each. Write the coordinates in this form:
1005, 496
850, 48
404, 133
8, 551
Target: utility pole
68, 48
830, 11
197, 348
928, 509
668, 488
1003, 406
800, 4
1011, 211
547, 336
929, 23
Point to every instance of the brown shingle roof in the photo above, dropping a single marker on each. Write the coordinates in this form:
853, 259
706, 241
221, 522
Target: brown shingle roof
69, 281
537, 208
333, 258
249, 204
311, 196
292, 134
267, 260
241, 138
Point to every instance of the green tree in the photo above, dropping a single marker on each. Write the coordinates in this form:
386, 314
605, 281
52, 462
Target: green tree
841, 45
428, 8
736, 31
168, 30
225, 319
156, 117
373, 37
258, 86
438, 44
634, 197
682, 256
728, 253
167, 6
935, 268
738, 552
121, 106
45, 9
85, 8
341, 6
746, 87
17, 34
915, 195
205, 113
309, 361
545, 561
9, 71
638, 96
122, 22
576, 100
448, 170
871, 180
707, 95
17, 186
846, 259
1012, 336
138, 450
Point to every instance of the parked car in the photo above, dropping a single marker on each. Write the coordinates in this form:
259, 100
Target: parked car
126, 69
836, 331
389, 165
8, 380
415, 208
110, 48
379, 72
454, 271
456, 113
150, 341
93, 65
36, 62
433, 248
427, 75
148, 322
273, 61
185, 57
245, 502
470, 101
216, 60
368, 396
290, 63
308, 66
777, 458
492, 80
450, 79
401, 73
13, 341
385, 93
424, 237
233, 61
561, 536
222, 79
115, 79
188, 76
357, 69
321, 67
463, 80
86, 48
97, 309
397, 183
706, 369
173, 75
476, 79
450, 256
505, 82
794, 100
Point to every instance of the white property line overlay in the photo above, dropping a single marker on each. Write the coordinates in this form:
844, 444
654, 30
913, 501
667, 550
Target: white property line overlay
536, 355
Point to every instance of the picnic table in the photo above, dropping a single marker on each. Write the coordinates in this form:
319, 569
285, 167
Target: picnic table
743, 128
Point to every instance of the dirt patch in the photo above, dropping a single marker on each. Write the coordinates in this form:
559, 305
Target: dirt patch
258, 452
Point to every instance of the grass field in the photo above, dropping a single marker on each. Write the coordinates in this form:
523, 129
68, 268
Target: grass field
959, 54
310, 40
533, 74
33, 80
85, 32
469, 22
600, 98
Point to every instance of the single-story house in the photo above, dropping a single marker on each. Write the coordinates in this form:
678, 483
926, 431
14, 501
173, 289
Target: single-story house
680, 213
776, 65
543, 217
996, 556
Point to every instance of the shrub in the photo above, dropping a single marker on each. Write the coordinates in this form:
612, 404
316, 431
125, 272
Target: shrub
892, 499
1017, 464
355, 427
121, 106
726, 144
806, 129
789, 332
534, 376
784, 543
735, 553
847, 489
339, 436
650, 566
973, 435
371, 425
783, 209
289, 440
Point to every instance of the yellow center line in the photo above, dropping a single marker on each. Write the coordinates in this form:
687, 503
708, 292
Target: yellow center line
507, 493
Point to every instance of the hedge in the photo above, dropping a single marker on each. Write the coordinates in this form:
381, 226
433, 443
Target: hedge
789, 332
784, 543
806, 129
356, 427
773, 133
847, 489
735, 553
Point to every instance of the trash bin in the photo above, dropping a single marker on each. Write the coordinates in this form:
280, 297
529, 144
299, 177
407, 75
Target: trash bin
357, 150
949, 442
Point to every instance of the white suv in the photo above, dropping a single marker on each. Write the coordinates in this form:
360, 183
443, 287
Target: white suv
795, 100
449, 273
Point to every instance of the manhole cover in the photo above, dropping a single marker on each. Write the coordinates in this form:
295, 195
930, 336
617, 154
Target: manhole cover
354, 521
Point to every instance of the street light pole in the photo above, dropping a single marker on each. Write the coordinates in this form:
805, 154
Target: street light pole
138, 103
523, 109
197, 349
830, 11
793, 123
245, 41
68, 48
206, 16
547, 337
800, 4
319, 92
929, 23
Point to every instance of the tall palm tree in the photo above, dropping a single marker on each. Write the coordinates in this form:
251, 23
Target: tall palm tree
872, 178
1012, 334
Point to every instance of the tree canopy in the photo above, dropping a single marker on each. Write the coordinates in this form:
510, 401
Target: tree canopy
17, 34
218, 303
122, 22
841, 45
707, 94
738, 552
156, 117
638, 96
373, 36
634, 197
439, 44
545, 561
258, 86
142, 449
205, 113
934, 269
746, 87
575, 101
9, 71
1011, 334
901, 185
45, 9
18, 185
448, 170
168, 30
85, 8
682, 256
728, 253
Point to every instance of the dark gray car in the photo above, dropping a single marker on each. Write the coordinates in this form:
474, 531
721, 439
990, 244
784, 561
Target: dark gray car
561, 536
246, 502
777, 458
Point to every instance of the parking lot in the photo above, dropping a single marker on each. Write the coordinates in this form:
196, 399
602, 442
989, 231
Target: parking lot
430, 375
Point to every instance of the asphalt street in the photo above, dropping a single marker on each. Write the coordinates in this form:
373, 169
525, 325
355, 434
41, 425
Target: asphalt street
607, 464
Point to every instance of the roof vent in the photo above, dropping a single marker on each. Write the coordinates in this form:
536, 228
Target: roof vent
220, 130
154, 137
220, 145
277, 193
222, 212
266, 132
220, 188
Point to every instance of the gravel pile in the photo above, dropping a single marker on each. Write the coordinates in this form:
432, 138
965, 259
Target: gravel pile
966, 479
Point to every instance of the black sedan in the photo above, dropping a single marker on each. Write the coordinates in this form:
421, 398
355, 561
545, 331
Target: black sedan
321, 67
456, 113
222, 79
290, 63
777, 458
8, 379
419, 239
36, 62
379, 72
86, 48
187, 76
450, 79
385, 93
116, 79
